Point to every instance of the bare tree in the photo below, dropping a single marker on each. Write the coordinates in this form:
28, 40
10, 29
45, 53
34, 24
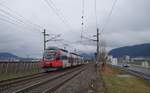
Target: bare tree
103, 54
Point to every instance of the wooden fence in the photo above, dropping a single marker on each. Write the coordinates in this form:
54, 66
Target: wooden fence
19, 67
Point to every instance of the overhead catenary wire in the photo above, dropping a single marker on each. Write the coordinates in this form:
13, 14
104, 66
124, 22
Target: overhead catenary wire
83, 22
18, 26
58, 13
19, 15
29, 24
18, 18
8, 19
83, 37
23, 18
109, 16
10, 16
53, 7
103, 27
95, 8
15, 23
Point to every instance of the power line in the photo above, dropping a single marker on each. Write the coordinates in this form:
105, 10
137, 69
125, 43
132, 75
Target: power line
98, 34
8, 19
16, 13
109, 15
11, 16
60, 15
54, 38
95, 8
59, 12
15, 22
53, 7
21, 18
11, 21
18, 17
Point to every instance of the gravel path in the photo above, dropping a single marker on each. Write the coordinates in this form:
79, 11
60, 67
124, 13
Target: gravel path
88, 81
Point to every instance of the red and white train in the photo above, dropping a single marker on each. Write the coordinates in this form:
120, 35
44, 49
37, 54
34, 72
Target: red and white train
55, 58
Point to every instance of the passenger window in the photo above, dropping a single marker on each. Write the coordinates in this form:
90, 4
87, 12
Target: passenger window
64, 57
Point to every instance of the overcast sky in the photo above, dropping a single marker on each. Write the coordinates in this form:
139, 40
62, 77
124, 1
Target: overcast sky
129, 24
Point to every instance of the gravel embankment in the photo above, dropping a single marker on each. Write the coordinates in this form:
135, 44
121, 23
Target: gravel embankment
88, 81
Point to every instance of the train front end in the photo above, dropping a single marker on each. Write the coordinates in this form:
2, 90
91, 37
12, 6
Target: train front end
51, 60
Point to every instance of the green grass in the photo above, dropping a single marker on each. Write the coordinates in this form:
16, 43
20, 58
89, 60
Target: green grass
115, 84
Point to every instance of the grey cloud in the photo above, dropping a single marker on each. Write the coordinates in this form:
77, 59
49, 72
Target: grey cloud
129, 24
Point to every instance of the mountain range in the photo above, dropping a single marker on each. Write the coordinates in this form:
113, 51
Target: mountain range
5, 55
140, 50
10, 56
88, 56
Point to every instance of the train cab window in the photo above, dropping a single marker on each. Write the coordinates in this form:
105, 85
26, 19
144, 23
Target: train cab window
49, 56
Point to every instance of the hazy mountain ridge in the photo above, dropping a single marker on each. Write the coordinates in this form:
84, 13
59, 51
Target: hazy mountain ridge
140, 50
88, 56
6, 55
10, 56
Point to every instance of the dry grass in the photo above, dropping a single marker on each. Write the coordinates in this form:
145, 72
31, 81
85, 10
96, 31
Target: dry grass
115, 84
15, 75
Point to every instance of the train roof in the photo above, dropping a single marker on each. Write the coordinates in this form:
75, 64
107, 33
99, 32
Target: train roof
64, 50
52, 48
56, 48
75, 54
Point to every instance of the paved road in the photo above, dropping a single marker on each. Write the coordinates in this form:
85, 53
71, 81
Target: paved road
140, 69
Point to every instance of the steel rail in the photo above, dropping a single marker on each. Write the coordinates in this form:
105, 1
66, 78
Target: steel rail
46, 81
53, 89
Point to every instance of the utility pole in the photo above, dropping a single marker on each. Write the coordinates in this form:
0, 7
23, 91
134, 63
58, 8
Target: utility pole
44, 33
45, 41
54, 38
97, 45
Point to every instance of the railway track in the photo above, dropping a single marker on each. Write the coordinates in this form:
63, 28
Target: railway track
54, 88
6, 84
10, 86
29, 82
52, 84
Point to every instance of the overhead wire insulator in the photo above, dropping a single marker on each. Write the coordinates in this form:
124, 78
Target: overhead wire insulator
82, 17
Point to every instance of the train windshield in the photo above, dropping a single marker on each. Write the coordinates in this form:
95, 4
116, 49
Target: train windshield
49, 56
